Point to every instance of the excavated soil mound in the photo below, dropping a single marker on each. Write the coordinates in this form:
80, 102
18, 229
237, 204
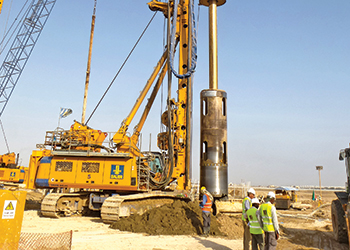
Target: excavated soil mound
231, 226
324, 213
33, 200
178, 218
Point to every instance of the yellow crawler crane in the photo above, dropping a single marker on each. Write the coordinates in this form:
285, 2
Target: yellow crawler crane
107, 171
10, 173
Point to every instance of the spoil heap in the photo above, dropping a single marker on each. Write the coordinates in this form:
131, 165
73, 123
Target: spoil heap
178, 218
33, 200
231, 226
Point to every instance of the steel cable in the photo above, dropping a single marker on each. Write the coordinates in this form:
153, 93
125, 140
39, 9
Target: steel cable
121, 67
3, 131
25, 14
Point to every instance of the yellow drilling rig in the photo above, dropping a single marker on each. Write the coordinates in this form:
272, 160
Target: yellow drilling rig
108, 172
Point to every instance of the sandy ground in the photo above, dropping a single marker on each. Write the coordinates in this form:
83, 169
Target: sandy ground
91, 233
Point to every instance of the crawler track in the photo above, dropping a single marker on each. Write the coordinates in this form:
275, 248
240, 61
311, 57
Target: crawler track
66, 204
48, 205
62, 204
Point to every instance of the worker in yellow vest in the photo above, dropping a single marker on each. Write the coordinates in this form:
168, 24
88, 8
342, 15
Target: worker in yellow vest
246, 205
256, 232
206, 210
268, 218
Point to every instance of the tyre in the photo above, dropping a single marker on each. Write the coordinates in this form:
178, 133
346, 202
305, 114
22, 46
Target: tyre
340, 230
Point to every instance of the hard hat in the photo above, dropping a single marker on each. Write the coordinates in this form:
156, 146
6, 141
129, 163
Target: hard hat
251, 190
203, 188
271, 195
255, 200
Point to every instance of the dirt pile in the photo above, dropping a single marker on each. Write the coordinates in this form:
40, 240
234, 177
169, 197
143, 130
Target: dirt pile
178, 218
33, 200
324, 213
231, 226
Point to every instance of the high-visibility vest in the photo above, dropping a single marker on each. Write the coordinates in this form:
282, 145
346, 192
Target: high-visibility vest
266, 215
243, 206
253, 221
207, 205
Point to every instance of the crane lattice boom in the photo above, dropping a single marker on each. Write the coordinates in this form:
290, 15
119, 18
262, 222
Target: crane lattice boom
22, 47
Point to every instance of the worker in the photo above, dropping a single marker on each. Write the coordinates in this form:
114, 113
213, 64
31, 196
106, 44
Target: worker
206, 210
268, 219
246, 205
294, 196
256, 232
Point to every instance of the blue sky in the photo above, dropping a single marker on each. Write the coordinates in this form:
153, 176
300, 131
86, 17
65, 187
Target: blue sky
284, 65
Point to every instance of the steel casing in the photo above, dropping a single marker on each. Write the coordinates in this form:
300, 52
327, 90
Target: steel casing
213, 161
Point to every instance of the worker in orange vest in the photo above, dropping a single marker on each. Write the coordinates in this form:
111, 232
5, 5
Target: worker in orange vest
206, 210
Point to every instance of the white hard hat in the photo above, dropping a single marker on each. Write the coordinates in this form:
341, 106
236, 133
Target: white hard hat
255, 200
251, 190
271, 195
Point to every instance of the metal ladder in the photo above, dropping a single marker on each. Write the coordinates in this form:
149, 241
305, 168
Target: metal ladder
143, 174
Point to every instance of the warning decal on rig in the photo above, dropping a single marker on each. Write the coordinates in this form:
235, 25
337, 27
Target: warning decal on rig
9, 211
